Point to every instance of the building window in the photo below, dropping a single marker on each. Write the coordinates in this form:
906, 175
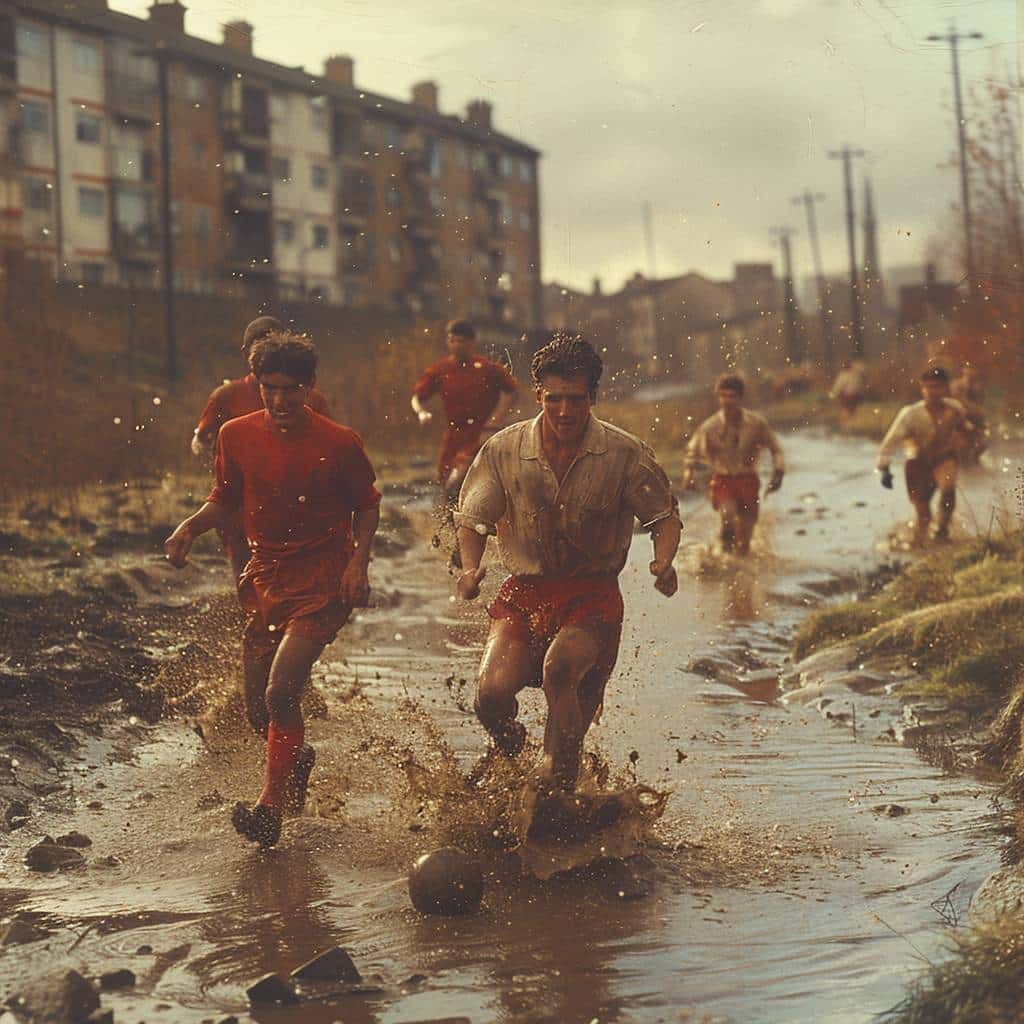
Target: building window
393, 197
200, 155
525, 221
195, 89
318, 113
92, 273
38, 194
434, 157
32, 42
505, 167
394, 251
525, 170
317, 294
201, 222
284, 231
85, 56
321, 236
90, 202
392, 136
461, 156
35, 117
88, 128
318, 176
281, 168
278, 107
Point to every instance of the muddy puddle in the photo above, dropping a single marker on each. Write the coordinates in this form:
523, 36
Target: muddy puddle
779, 885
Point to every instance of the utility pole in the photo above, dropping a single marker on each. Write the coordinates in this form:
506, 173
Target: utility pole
652, 284
167, 233
953, 38
784, 234
848, 155
808, 200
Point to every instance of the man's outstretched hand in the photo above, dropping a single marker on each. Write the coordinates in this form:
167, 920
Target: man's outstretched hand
177, 546
776, 481
886, 478
666, 581
469, 583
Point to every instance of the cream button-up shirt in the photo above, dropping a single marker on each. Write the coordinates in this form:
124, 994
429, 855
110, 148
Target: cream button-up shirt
582, 526
916, 430
731, 450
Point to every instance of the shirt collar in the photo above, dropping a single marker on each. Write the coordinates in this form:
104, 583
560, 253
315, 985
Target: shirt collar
595, 439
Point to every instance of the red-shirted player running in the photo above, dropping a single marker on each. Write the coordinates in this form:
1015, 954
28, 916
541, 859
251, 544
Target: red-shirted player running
232, 399
476, 393
304, 490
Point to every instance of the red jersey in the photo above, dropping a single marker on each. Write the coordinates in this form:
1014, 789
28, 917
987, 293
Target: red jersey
240, 397
295, 490
469, 390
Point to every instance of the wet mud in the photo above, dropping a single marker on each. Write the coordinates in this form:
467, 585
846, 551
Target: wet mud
749, 868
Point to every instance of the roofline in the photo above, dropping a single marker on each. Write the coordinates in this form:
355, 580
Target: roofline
189, 47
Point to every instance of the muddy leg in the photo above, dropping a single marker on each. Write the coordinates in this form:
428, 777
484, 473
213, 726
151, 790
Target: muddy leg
504, 670
945, 479
729, 517
256, 672
923, 517
746, 520
572, 654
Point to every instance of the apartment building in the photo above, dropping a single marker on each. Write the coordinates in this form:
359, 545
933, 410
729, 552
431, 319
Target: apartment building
283, 184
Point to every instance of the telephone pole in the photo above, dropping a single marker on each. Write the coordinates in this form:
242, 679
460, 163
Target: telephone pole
808, 200
954, 38
167, 232
848, 155
784, 234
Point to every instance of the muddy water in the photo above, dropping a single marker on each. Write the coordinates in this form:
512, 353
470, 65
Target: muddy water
782, 891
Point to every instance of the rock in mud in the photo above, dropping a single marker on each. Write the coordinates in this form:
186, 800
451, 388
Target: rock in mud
100, 1017
334, 965
64, 997
892, 810
272, 990
49, 856
121, 978
19, 932
18, 812
76, 840
446, 882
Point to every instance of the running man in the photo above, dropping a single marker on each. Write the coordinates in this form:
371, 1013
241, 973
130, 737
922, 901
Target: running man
560, 492
730, 443
848, 389
304, 490
476, 393
232, 399
933, 433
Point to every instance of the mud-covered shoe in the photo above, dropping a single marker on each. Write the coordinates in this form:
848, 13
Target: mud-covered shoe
241, 818
511, 739
259, 824
298, 781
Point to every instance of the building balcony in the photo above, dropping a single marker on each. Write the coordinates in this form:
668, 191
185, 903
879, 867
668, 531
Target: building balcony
138, 244
247, 190
246, 129
132, 99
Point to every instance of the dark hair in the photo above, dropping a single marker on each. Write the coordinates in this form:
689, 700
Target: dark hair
936, 373
567, 355
730, 382
260, 328
284, 352
460, 328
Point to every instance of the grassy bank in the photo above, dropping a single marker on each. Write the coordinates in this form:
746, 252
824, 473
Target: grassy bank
955, 616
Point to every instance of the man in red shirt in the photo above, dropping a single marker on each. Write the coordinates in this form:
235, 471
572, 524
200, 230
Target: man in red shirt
232, 399
476, 393
304, 491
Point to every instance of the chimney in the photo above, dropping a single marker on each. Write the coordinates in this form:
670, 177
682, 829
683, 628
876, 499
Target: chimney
238, 37
169, 14
597, 286
478, 112
340, 69
424, 94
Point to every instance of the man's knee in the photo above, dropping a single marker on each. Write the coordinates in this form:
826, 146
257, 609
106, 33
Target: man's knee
281, 700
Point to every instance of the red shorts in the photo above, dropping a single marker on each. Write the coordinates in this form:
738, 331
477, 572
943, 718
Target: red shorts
539, 606
295, 595
920, 476
848, 403
232, 536
462, 441
740, 489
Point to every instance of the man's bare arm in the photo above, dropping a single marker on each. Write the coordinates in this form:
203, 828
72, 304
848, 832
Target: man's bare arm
355, 580
471, 547
178, 545
423, 414
665, 536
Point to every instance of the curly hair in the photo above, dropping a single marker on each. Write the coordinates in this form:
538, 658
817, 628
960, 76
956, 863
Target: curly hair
567, 355
284, 352
260, 328
730, 382
460, 329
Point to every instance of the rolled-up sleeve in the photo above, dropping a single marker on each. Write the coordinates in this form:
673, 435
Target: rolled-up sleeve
482, 499
648, 491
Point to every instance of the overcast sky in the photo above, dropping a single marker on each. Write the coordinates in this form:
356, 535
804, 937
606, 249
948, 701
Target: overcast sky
714, 111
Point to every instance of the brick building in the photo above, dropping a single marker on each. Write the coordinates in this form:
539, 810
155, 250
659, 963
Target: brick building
285, 184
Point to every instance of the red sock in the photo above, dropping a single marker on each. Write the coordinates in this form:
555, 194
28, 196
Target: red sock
283, 746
